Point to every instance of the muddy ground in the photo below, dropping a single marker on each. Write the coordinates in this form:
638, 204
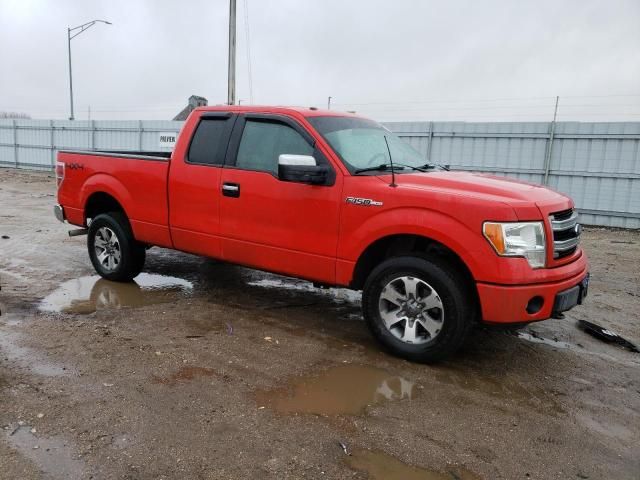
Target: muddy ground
205, 370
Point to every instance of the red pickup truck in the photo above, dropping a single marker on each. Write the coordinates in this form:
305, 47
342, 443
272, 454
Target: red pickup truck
339, 200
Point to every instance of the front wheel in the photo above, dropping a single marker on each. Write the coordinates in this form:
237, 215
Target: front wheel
114, 252
420, 309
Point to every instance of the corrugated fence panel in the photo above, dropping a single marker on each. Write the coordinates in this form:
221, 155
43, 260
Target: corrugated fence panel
33, 143
117, 135
72, 135
597, 164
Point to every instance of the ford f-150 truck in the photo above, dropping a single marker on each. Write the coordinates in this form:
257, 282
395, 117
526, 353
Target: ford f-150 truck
339, 200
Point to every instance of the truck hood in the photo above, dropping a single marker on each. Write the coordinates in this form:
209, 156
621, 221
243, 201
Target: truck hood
522, 196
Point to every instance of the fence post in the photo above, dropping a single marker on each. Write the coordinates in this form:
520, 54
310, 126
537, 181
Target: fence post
140, 135
15, 143
429, 141
552, 130
92, 143
52, 144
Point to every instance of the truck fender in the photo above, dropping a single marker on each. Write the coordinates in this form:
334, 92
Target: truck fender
104, 183
448, 231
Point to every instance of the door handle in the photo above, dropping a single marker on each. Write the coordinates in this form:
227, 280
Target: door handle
231, 190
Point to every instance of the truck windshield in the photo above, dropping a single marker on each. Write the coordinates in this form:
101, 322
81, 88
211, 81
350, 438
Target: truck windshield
361, 145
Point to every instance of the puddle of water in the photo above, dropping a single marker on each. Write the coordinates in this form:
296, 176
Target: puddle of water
88, 294
545, 341
52, 455
337, 294
380, 466
346, 389
185, 374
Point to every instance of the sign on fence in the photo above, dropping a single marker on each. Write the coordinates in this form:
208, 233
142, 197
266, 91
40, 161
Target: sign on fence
167, 139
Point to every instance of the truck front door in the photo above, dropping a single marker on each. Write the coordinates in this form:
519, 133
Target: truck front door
194, 186
269, 223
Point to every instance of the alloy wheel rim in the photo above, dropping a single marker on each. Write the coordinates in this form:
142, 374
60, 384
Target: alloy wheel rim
107, 248
411, 310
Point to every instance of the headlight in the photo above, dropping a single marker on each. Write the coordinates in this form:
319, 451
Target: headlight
522, 239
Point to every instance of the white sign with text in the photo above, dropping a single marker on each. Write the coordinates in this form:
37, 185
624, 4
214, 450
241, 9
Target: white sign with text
167, 139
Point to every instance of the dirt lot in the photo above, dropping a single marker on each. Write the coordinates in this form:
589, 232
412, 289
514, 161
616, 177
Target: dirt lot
205, 370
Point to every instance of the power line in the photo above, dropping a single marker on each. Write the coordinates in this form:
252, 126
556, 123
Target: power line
494, 108
482, 100
575, 108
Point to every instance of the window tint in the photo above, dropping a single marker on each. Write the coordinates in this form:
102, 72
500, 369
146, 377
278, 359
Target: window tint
263, 142
206, 146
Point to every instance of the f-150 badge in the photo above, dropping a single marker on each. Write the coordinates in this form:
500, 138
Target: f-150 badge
365, 202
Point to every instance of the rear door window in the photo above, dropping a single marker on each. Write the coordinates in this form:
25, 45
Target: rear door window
209, 142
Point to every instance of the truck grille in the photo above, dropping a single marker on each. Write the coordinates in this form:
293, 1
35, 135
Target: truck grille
566, 232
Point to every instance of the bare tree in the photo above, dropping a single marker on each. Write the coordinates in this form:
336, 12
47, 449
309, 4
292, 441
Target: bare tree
14, 115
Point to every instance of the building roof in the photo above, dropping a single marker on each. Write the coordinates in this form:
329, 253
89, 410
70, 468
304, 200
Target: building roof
194, 102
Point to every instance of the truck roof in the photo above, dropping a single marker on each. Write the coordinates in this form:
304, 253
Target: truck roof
304, 111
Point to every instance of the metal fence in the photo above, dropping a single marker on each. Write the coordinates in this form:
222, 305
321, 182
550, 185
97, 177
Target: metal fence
33, 144
597, 164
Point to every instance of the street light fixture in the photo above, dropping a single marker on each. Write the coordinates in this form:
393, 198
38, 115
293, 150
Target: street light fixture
71, 35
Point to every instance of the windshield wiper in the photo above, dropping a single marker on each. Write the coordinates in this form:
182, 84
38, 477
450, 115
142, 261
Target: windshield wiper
434, 165
396, 166
421, 168
380, 168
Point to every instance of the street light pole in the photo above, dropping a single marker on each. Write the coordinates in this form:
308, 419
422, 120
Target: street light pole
78, 30
70, 75
231, 80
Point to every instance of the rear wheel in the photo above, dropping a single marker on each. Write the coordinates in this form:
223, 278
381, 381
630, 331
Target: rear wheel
114, 252
419, 308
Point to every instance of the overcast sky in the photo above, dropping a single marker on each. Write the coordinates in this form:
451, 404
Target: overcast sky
390, 59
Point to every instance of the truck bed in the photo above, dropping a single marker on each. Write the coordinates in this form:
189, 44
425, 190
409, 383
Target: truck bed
143, 155
137, 179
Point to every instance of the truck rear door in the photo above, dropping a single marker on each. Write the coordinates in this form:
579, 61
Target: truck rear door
268, 223
194, 184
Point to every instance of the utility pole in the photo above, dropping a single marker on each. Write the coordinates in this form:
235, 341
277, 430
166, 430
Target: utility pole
329, 103
231, 81
70, 75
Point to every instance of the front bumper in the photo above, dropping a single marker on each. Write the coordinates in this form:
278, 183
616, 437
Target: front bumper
530, 303
58, 211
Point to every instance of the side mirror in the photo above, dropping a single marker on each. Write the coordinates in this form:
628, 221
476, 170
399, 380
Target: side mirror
301, 169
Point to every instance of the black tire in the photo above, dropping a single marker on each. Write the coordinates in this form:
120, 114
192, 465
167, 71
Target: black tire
132, 253
453, 292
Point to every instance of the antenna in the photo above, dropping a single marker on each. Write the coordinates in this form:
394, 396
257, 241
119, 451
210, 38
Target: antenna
393, 171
